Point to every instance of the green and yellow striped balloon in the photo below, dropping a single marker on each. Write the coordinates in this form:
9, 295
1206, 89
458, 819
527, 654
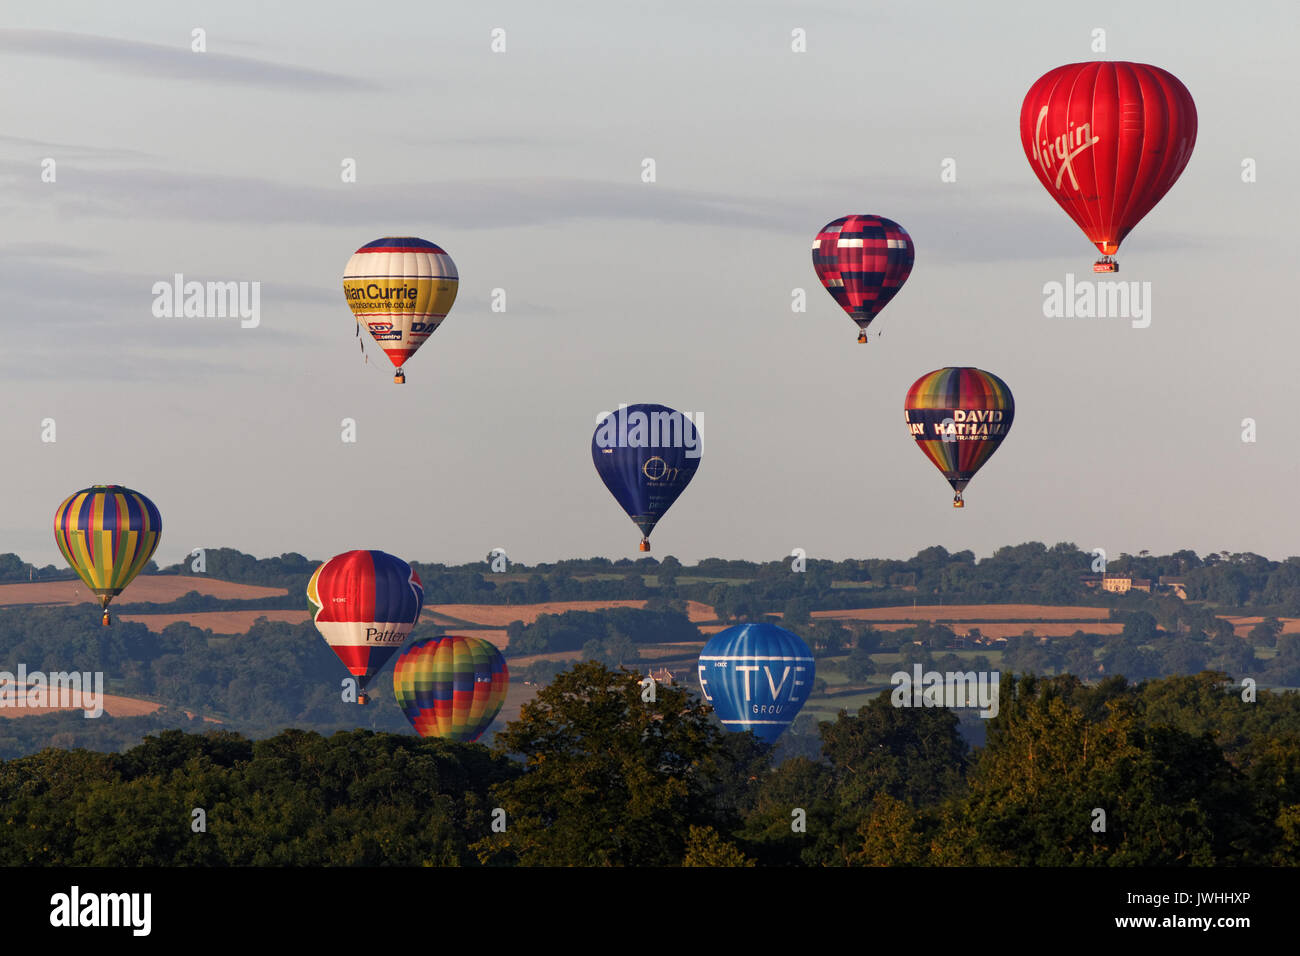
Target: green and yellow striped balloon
107, 534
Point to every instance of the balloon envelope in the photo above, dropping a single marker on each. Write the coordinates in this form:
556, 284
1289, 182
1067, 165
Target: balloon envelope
646, 455
451, 687
400, 288
367, 603
959, 417
863, 261
756, 676
1108, 140
107, 534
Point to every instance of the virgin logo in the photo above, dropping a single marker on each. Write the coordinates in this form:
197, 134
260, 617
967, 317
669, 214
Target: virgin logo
1063, 148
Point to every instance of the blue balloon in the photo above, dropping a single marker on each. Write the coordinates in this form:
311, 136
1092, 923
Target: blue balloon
646, 455
756, 676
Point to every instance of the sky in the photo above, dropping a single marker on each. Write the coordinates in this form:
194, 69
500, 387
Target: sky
526, 166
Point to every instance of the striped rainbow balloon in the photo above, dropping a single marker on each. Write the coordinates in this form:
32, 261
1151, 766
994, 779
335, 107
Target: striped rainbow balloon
959, 417
107, 534
451, 687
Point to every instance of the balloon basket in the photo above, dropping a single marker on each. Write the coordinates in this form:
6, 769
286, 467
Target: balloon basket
107, 620
363, 699
645, 544
862, 336
399, 378
958, 503
1105, 264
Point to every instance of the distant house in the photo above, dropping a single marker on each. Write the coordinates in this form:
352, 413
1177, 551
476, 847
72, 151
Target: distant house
1177, 585
662, 676
1123, 583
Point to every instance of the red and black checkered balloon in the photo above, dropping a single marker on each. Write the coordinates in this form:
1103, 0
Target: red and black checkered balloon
863, 261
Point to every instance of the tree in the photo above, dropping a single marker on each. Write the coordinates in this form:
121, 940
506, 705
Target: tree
1264, 634
859, 665
610, 779
705, 847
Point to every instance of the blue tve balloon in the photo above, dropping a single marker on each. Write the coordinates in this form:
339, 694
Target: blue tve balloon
756, 676
646, 455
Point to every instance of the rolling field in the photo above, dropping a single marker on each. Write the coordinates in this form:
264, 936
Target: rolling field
157, 588
114, 706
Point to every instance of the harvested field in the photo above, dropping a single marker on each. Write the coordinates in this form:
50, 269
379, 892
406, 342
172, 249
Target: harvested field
114, 706
155, 588
1241, 626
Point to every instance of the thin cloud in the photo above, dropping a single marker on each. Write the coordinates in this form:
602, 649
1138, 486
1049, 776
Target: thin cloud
178, 62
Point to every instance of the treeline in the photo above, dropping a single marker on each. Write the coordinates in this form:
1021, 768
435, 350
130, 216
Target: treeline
597, 631
1025, 573
1184, 771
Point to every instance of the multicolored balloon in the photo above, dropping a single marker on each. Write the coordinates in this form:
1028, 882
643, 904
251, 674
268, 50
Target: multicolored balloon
959, 417
451, 687
646, 455
367, 603
863, 261
756, 676
1108, 139
401, 288
107, 534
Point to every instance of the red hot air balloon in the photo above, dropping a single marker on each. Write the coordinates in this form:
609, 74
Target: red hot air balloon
367, 602
863, 261
1108, 140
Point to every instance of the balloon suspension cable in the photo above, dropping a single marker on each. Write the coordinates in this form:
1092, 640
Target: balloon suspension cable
645, 544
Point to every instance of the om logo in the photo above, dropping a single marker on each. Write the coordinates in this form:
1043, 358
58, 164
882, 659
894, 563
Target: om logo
657, 469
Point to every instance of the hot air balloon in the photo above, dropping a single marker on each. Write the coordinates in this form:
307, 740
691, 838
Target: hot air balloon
756, 676
863, 261
1108, 140
107, 534
451, 687
401, 288
959, 417
646, 455
367, 602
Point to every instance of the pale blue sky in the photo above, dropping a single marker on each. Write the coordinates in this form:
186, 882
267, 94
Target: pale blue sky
525, 167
